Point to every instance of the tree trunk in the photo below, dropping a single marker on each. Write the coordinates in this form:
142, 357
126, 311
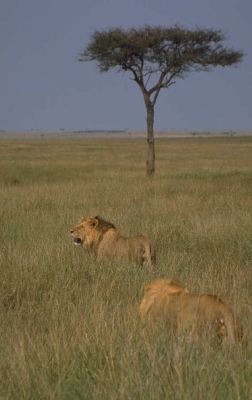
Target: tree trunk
150, 163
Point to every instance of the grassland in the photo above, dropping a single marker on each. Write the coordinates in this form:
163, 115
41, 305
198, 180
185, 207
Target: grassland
69, 326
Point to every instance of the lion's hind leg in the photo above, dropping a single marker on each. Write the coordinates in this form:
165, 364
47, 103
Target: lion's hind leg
148, 255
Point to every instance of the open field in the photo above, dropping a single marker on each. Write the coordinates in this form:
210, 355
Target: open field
113, 134
69, 326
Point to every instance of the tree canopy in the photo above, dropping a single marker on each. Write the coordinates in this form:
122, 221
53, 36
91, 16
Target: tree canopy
156, 57
170, 52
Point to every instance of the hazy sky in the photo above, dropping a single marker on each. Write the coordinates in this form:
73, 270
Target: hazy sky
43, 86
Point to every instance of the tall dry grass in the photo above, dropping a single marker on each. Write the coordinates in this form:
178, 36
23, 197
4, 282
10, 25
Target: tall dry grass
69, 326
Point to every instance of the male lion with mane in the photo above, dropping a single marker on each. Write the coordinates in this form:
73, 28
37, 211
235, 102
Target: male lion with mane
168, 302
105, 240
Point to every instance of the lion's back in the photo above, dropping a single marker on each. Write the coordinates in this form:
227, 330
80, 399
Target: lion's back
122, 248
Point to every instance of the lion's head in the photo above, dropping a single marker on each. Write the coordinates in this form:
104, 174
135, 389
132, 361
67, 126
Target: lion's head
88, 232
166, 287
158, 292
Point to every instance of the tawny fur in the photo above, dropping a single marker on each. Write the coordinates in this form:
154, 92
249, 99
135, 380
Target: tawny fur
198, 314
107, 243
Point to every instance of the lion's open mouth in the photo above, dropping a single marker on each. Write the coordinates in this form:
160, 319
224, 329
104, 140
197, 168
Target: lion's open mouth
77, 241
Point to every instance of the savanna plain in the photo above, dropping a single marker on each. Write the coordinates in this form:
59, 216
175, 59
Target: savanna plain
70, 326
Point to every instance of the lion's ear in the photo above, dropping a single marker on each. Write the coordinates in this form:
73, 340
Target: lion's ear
176, 287
94, 222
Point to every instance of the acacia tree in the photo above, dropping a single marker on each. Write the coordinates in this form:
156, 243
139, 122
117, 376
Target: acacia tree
156, 57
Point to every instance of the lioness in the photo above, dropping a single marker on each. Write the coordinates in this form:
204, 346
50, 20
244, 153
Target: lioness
167, 301
106, 241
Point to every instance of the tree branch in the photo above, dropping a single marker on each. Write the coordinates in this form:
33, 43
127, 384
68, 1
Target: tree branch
162, 84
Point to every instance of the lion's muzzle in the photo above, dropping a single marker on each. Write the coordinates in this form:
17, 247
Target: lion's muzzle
77, 241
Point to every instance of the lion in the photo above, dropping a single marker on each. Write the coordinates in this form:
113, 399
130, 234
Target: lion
107, 243
169, 302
